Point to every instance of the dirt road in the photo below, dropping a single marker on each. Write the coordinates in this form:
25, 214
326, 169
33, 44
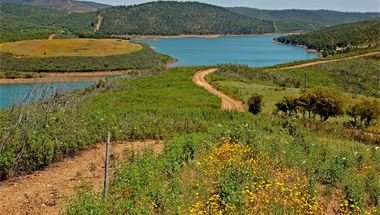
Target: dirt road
51, 36
324, 61
44, 192
98, 23
228, 103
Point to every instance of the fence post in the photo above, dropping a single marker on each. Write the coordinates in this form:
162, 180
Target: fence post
106, 167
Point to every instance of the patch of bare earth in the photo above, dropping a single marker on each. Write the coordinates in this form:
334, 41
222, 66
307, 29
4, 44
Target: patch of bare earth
44, 192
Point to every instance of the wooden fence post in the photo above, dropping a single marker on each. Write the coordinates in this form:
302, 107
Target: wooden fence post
106, 167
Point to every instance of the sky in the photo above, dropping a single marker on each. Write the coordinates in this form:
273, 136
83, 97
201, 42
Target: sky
339, 5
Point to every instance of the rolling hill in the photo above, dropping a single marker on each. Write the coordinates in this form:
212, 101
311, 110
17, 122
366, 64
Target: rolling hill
175, 18
76, 6
353, 35
21, 22
296, 20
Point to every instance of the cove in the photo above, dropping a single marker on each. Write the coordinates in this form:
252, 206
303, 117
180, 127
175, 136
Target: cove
253, 51
11, 94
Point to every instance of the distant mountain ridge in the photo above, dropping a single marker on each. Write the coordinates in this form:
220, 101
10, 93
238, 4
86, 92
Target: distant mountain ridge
308, 19
175, 18
70, 5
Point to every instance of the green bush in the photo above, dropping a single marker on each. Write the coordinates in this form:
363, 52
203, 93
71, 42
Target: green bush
364, 113
255, 104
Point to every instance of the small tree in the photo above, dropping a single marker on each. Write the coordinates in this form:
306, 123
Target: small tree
364, 113
328, 103
307, 101
255, 103
288, 105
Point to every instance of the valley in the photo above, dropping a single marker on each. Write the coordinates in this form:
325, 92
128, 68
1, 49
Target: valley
208, 109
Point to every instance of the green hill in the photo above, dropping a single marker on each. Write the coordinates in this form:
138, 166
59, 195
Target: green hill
20, 22
174, 18
296, 20
69, 5
354, 35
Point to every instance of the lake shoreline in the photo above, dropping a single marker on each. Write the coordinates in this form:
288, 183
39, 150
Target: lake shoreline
315, 51
63, 77
211, 36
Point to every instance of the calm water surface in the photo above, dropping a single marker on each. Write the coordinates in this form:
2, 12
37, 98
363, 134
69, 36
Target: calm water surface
252, 51
17, 93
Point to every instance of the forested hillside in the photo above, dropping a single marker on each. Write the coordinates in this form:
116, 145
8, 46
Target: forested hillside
69, 5
295, 20
174, 18
354, 35
20, 22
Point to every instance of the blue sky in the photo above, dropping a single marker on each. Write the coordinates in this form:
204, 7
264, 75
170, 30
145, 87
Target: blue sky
340, 5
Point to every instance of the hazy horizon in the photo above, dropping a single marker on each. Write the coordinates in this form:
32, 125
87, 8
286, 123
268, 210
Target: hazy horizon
337, 5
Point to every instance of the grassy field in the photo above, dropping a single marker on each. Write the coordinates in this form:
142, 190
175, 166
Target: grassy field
354, 76
70, 47
144, 58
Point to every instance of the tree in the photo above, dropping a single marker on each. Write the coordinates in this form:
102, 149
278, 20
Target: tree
288, 105
328, 103
364, 113
307, 101
255, 103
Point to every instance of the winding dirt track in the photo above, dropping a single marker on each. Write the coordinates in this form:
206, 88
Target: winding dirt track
98, 23
44, 192
325, 61
228, 103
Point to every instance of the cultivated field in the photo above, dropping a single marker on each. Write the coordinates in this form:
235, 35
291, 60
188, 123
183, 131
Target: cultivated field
70, 47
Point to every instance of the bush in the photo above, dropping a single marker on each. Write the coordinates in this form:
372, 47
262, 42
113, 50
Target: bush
320, 101
364, 113
255, 103
288, 105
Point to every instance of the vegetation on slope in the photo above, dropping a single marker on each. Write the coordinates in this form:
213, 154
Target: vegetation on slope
304, 20
21, 22
213, 160
76, 6
355, 76
145, 58
174, 18
360, 34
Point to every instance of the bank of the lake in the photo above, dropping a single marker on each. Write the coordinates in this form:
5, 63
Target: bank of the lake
63, 77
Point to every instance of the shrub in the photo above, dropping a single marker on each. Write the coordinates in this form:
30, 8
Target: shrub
306, 102
288, 105
327, 102
364, 113
255, 103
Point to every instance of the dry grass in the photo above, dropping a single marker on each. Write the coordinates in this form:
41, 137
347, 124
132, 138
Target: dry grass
70, 47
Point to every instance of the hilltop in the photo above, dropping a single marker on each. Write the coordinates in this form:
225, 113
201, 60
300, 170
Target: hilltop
341, 37
296, 20
174, 18
76, 6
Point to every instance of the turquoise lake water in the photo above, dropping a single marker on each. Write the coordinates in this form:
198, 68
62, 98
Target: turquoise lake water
18, 93
252, 51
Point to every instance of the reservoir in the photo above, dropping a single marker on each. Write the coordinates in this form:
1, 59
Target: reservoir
19, 93
255, 51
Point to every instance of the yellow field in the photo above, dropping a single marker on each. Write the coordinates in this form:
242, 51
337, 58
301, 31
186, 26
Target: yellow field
70, 47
